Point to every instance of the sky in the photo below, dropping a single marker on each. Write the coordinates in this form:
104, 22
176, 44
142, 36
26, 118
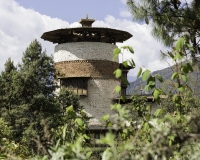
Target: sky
22, 21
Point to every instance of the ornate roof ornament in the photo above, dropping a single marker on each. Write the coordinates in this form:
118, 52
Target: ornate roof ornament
86, 22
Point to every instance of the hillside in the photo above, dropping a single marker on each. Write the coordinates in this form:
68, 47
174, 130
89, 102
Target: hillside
166, 73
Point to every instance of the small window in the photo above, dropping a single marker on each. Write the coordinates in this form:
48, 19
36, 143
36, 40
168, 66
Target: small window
97, 135
77, 85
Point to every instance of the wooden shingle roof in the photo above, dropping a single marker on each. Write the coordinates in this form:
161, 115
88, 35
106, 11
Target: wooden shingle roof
86, 34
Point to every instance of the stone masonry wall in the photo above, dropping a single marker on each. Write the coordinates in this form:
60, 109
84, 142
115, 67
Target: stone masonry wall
84, 51
100, 97
94, 60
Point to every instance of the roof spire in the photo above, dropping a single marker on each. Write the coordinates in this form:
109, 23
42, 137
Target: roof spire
86, 22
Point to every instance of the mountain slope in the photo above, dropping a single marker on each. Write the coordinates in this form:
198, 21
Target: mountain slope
138, 84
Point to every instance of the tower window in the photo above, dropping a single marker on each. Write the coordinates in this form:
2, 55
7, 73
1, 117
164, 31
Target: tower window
97, 135
77, 85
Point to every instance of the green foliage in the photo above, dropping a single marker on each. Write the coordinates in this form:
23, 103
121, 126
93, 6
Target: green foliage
159, 78
67, 98
174, 75
28, 103
139, 108
8, 147
156, 93
145, 75
180, 44
5, 131
170, 19
129, 48
159, 135
36, 107
118, 73
179, 74
116, 52
71, 137
7, 96
117, 89
139, 73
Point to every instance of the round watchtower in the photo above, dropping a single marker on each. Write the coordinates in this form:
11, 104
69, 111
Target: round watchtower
83, 63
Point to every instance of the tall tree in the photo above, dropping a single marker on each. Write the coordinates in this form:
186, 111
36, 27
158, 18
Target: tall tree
7, 94
28, 102
35, 107
37, 97
170, 19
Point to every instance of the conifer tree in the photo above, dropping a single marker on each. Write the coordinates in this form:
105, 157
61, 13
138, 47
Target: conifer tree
35, 108
7, 94
37, 97
28, 103
6, 84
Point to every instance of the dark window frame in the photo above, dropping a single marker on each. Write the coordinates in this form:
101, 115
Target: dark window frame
97, 135
78, 85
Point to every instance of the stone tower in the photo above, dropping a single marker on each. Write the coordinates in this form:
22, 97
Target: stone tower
83, 63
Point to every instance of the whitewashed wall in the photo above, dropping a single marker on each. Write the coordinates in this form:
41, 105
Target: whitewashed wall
84, 51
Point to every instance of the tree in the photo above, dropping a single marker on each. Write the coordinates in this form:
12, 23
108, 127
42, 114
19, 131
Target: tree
7, 98
28, 97
35, 87
67, 98
170, 19
7, 95
31, 108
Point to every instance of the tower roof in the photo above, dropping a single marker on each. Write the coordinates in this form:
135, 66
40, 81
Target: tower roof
86, 33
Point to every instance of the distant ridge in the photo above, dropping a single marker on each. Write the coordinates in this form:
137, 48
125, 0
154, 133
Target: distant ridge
166, 73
